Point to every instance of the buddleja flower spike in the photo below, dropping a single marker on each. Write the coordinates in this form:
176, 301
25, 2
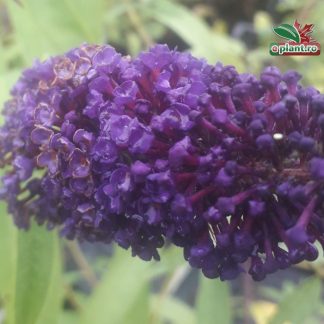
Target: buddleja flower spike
166, 147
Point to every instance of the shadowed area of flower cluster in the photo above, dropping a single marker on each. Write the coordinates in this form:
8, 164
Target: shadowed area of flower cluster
167, 148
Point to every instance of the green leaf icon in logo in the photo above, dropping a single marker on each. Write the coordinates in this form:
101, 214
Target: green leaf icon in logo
287, 31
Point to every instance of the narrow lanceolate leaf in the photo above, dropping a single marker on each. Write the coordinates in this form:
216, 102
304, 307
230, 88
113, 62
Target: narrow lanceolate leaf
139, 311
213, 302
122, 288
51, 309
47, 27
194, 31
7, 246
34, 292
287, 31
172, 310
300, 304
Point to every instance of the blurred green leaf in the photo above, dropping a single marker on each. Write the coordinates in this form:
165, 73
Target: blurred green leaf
300, 304
194, 31
7, 245
49, 27
35, 278
139, 312
54, 298
134, 43
171, 258
69, 317
277, 295
2, 59
117, 10
172, 310
72, 277
119, 291
213, 302
290, 5
7, 80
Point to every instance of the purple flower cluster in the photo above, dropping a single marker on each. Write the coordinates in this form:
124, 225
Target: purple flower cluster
165, 147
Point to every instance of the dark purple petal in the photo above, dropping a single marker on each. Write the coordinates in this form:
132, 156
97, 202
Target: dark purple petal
227, 166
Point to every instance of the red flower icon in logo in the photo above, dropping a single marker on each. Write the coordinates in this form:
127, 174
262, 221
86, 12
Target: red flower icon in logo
304, 32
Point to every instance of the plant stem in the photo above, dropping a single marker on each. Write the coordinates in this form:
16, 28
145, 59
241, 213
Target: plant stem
247, 287
82, 263
170, 285
70, 297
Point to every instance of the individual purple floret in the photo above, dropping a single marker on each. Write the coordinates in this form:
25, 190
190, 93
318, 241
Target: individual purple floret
168, 148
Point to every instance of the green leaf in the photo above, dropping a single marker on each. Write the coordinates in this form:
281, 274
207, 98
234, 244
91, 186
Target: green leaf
138, 312
49, 27
2, 59
53, 303
35, 285
121, 288
173, 310
213, 302
300, 304
171, 258
7, 248
287, 31
69, 317
194, 31
7, 80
